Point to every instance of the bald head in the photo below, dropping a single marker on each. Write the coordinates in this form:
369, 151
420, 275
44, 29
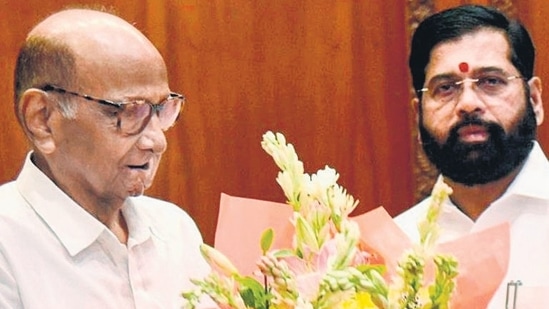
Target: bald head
72, 21
83, 30
86, 50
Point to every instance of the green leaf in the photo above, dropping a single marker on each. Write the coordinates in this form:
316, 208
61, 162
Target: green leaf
305, 234
267, 240
282, 253
253, 293
365, 268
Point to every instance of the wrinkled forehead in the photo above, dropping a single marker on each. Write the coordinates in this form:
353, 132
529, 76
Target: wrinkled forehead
484, 48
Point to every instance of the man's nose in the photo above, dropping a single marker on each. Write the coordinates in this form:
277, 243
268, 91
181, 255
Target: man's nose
468, 99
153, 137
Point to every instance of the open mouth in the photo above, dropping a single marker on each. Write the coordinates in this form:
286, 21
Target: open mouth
140, 167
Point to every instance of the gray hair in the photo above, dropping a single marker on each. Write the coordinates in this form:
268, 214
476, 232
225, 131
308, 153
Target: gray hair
44, 61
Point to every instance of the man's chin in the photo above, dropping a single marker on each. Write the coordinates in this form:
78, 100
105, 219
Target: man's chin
137, 188
136, 192
474, 155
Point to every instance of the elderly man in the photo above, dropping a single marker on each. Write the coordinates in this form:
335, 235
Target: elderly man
92, 95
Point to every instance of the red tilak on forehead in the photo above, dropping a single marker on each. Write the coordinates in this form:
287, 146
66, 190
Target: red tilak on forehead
464, 67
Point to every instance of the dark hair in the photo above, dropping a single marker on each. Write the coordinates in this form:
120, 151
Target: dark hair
453, 23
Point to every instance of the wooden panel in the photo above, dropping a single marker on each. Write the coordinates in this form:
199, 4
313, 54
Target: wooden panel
445, 4
331, 75
534, 13
316, 71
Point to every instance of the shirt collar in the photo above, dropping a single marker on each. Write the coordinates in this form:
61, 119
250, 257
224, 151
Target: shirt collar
75, 228
528, 189
139, 225
533, 178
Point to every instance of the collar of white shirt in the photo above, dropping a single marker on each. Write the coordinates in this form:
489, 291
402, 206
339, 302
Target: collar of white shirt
75, 228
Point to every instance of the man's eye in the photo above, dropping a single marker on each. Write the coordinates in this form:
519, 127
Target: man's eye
112, 111
491, 81
445, 88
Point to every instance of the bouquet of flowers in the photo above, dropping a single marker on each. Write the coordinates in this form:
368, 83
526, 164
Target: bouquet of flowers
328, 265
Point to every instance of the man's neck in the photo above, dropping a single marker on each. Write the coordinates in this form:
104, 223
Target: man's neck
114, 221
107, 211
473, 200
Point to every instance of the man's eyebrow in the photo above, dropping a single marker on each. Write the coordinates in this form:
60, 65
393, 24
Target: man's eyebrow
481, 70
490, 69
443, 76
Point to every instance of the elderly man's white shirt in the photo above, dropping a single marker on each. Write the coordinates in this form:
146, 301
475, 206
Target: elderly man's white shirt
525, 205
53, 254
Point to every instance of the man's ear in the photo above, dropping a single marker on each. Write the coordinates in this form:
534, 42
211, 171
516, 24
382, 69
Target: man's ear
535, 98
36, 110
415, 108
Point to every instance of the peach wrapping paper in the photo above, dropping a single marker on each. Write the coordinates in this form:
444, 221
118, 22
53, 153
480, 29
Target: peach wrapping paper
483, 256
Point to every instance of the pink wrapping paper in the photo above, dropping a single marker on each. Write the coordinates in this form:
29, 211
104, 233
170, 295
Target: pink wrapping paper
483, 256
241, 223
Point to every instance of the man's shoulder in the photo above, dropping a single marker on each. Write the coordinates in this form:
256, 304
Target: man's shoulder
149, 201
8, 189
408, 220
415, 211
11, 201
163, 214
155, 207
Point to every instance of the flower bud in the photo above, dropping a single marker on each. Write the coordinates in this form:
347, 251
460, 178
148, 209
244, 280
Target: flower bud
218, 260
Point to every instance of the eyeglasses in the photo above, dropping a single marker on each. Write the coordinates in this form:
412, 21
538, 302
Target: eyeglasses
133, 116
445, 90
